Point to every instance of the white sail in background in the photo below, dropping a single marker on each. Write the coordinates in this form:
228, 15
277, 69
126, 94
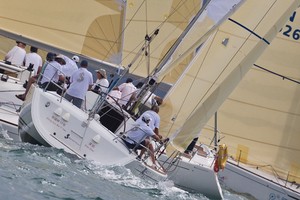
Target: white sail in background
91, 28
260, 120
221, 66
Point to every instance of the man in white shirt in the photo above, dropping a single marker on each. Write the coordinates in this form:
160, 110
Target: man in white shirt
155, 118
70, 67
16, 55
34, 59
127, 89
52, 72
139, 137
81, 81
149, 99
113, 97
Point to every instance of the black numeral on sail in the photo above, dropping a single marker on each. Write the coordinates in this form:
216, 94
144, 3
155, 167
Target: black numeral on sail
292, 17
289, 32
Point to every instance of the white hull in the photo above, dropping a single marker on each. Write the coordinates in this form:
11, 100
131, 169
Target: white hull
196, 174
256, 183
9, 104
52, 121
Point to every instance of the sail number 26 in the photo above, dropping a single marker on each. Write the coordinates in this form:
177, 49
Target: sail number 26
289, 31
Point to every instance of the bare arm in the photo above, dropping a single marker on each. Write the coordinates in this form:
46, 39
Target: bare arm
61, 78
39, 70
90, 87
157, 137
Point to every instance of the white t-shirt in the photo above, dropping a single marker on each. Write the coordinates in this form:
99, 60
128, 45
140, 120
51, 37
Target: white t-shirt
51, 72
155, 119
127, 89
80, 82
35, 59
70, 67
16, 56
115, 94
148, 98
139, 133
103, 85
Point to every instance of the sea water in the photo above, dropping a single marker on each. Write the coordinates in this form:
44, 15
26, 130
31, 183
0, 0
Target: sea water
33, 172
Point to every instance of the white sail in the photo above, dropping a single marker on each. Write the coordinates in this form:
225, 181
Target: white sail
227, 61
260, 120
91, 28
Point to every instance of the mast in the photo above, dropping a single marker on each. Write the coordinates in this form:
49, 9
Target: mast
171, 51
216, 130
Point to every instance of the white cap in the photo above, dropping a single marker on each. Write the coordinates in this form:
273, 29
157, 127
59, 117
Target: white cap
75, 58
146, 118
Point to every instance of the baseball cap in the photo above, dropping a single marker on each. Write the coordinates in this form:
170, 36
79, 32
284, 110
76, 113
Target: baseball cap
75, 58
84, 63
146, 118
50, 56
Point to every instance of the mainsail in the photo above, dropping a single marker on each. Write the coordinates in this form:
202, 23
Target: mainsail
260, 120
91, 28
163, 21
222, 64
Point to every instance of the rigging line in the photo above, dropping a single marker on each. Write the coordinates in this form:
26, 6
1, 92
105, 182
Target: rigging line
272, 72
111, 44
238, 136
146, 16
118, 39
21, 90
252, 32
175, 10
147, 50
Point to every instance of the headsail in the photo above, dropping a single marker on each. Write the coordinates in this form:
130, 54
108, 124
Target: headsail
260, 120
221, 65
91, 28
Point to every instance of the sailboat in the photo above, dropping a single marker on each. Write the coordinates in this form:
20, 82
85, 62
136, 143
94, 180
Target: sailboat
83, 43
222, 51
50, 120
60, 118
259, 122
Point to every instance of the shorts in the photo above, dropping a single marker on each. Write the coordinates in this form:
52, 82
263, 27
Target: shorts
131, 146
